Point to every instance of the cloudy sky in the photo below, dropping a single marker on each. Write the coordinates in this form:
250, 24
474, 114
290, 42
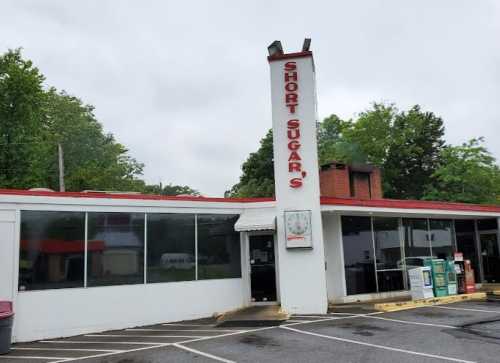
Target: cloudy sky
185, 84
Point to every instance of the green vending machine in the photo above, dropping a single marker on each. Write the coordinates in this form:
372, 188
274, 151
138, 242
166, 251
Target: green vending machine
451, 277
438, 268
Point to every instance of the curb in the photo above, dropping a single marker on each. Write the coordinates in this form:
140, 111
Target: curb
404, 305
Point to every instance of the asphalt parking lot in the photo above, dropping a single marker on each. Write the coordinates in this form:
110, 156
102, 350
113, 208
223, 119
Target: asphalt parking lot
460, 332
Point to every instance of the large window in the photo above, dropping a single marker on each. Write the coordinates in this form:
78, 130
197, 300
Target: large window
417, 242
441, 236
171, 247
51, 250
358, 255
115, 249
465, 231
219, 253
388, 254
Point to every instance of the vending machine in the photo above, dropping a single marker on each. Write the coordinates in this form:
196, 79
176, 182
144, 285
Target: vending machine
438, 269
451, 277
420, 283
470, 281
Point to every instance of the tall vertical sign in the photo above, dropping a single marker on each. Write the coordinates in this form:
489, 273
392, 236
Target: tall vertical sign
300, 235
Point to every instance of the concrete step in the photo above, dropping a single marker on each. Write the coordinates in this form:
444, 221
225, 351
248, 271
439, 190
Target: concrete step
253, 316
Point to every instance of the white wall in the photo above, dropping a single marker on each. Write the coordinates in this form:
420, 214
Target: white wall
7, 254
334, 255
301, 271
66, 312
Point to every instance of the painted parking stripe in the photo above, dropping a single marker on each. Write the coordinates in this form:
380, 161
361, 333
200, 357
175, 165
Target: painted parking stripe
377, 346
189, 330
110, 354
199, 352
333, 318
71, 349
95, 342
412, 322
62, 359
466, 309
141, 336
182, 324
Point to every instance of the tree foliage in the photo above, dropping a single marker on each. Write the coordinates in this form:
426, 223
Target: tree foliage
170, 189
33, 121
408, 146
467, 173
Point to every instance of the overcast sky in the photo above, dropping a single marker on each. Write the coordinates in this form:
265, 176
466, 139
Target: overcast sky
185, 84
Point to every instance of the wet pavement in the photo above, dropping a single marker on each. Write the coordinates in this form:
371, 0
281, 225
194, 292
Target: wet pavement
460, 332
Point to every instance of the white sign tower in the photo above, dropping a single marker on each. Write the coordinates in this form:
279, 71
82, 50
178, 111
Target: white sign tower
302, 278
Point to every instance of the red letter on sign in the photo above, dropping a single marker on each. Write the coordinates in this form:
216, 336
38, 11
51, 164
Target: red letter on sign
295, 183
293, 145
294, 167
294, 155
290, 66
293, 134
293, 124
291, 98
291, 87
292, 76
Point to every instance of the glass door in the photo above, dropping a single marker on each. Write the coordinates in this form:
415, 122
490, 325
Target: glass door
490, 256
262, 268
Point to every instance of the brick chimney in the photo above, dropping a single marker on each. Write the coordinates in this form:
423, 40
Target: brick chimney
359, 181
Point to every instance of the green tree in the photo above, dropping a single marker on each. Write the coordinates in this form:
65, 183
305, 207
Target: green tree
92, 158
21, 120
467, 173
257, 179
170, 189
413, 154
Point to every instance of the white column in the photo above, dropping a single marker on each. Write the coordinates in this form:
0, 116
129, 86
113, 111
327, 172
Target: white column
293, 92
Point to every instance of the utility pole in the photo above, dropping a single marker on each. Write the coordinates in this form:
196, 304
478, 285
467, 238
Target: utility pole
61, 168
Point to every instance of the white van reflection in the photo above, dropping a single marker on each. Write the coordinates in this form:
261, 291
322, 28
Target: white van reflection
181, 261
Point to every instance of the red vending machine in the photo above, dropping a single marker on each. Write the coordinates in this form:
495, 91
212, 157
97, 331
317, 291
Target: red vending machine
470, 282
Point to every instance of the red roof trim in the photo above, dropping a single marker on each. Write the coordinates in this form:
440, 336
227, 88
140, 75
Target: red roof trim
129, 196
289, 55
410, 204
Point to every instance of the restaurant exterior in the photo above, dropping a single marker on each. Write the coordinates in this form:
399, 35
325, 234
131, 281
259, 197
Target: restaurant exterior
75, 263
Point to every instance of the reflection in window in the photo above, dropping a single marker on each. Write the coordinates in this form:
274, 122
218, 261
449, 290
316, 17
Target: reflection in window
390, 280
218, 246
465, 232
171, 247
441, 232
416, 239
387, 242
51, 250
117, 255
358, 255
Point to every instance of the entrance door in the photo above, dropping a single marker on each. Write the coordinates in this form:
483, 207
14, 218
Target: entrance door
491, 257
262, 269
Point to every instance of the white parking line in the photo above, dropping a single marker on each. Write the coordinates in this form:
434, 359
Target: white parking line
214, 357
377, 346
142, 336
182, 324
71, 349
411, 322
465, 309
94, 342
31, 357
333, 318
191, 330
109, 354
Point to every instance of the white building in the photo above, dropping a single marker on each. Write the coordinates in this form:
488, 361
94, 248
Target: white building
76, 263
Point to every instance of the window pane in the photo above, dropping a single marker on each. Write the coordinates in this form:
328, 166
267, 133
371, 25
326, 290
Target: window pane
218, 247
358, 255
51, 250
416, 240
466, 242
487, 224
171, 245
387, 242
115, 249
442, 238
390, 281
